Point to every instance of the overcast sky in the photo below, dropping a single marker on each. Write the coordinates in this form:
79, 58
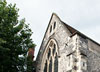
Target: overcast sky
84, 15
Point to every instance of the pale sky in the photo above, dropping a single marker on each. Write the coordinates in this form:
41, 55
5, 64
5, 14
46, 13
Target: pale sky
83, 15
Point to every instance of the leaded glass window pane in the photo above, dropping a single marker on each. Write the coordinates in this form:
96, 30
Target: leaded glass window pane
49, 53
50, 66
45, 67
54, 49
56, 64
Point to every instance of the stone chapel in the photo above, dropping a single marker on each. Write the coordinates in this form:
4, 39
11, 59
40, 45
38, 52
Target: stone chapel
65, 49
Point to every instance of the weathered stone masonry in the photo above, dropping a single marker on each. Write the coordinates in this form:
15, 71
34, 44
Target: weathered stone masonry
64, 49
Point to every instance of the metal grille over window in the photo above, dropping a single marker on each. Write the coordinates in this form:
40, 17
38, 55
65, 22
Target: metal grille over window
56, 64
50, 65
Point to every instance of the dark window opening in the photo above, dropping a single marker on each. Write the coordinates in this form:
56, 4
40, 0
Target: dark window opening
45, 68
54, 25
49, 53
56, 64
54, 49
50, 65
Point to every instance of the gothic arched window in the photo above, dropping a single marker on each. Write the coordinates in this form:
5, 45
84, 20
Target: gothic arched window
50, 59
50, 65
56, 64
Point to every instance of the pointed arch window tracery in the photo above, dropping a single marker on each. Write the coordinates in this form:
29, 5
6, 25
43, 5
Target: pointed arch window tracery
52, 57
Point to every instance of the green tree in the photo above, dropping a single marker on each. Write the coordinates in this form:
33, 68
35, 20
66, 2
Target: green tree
15, 39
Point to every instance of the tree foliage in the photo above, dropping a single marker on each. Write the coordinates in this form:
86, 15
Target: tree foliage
15, 39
